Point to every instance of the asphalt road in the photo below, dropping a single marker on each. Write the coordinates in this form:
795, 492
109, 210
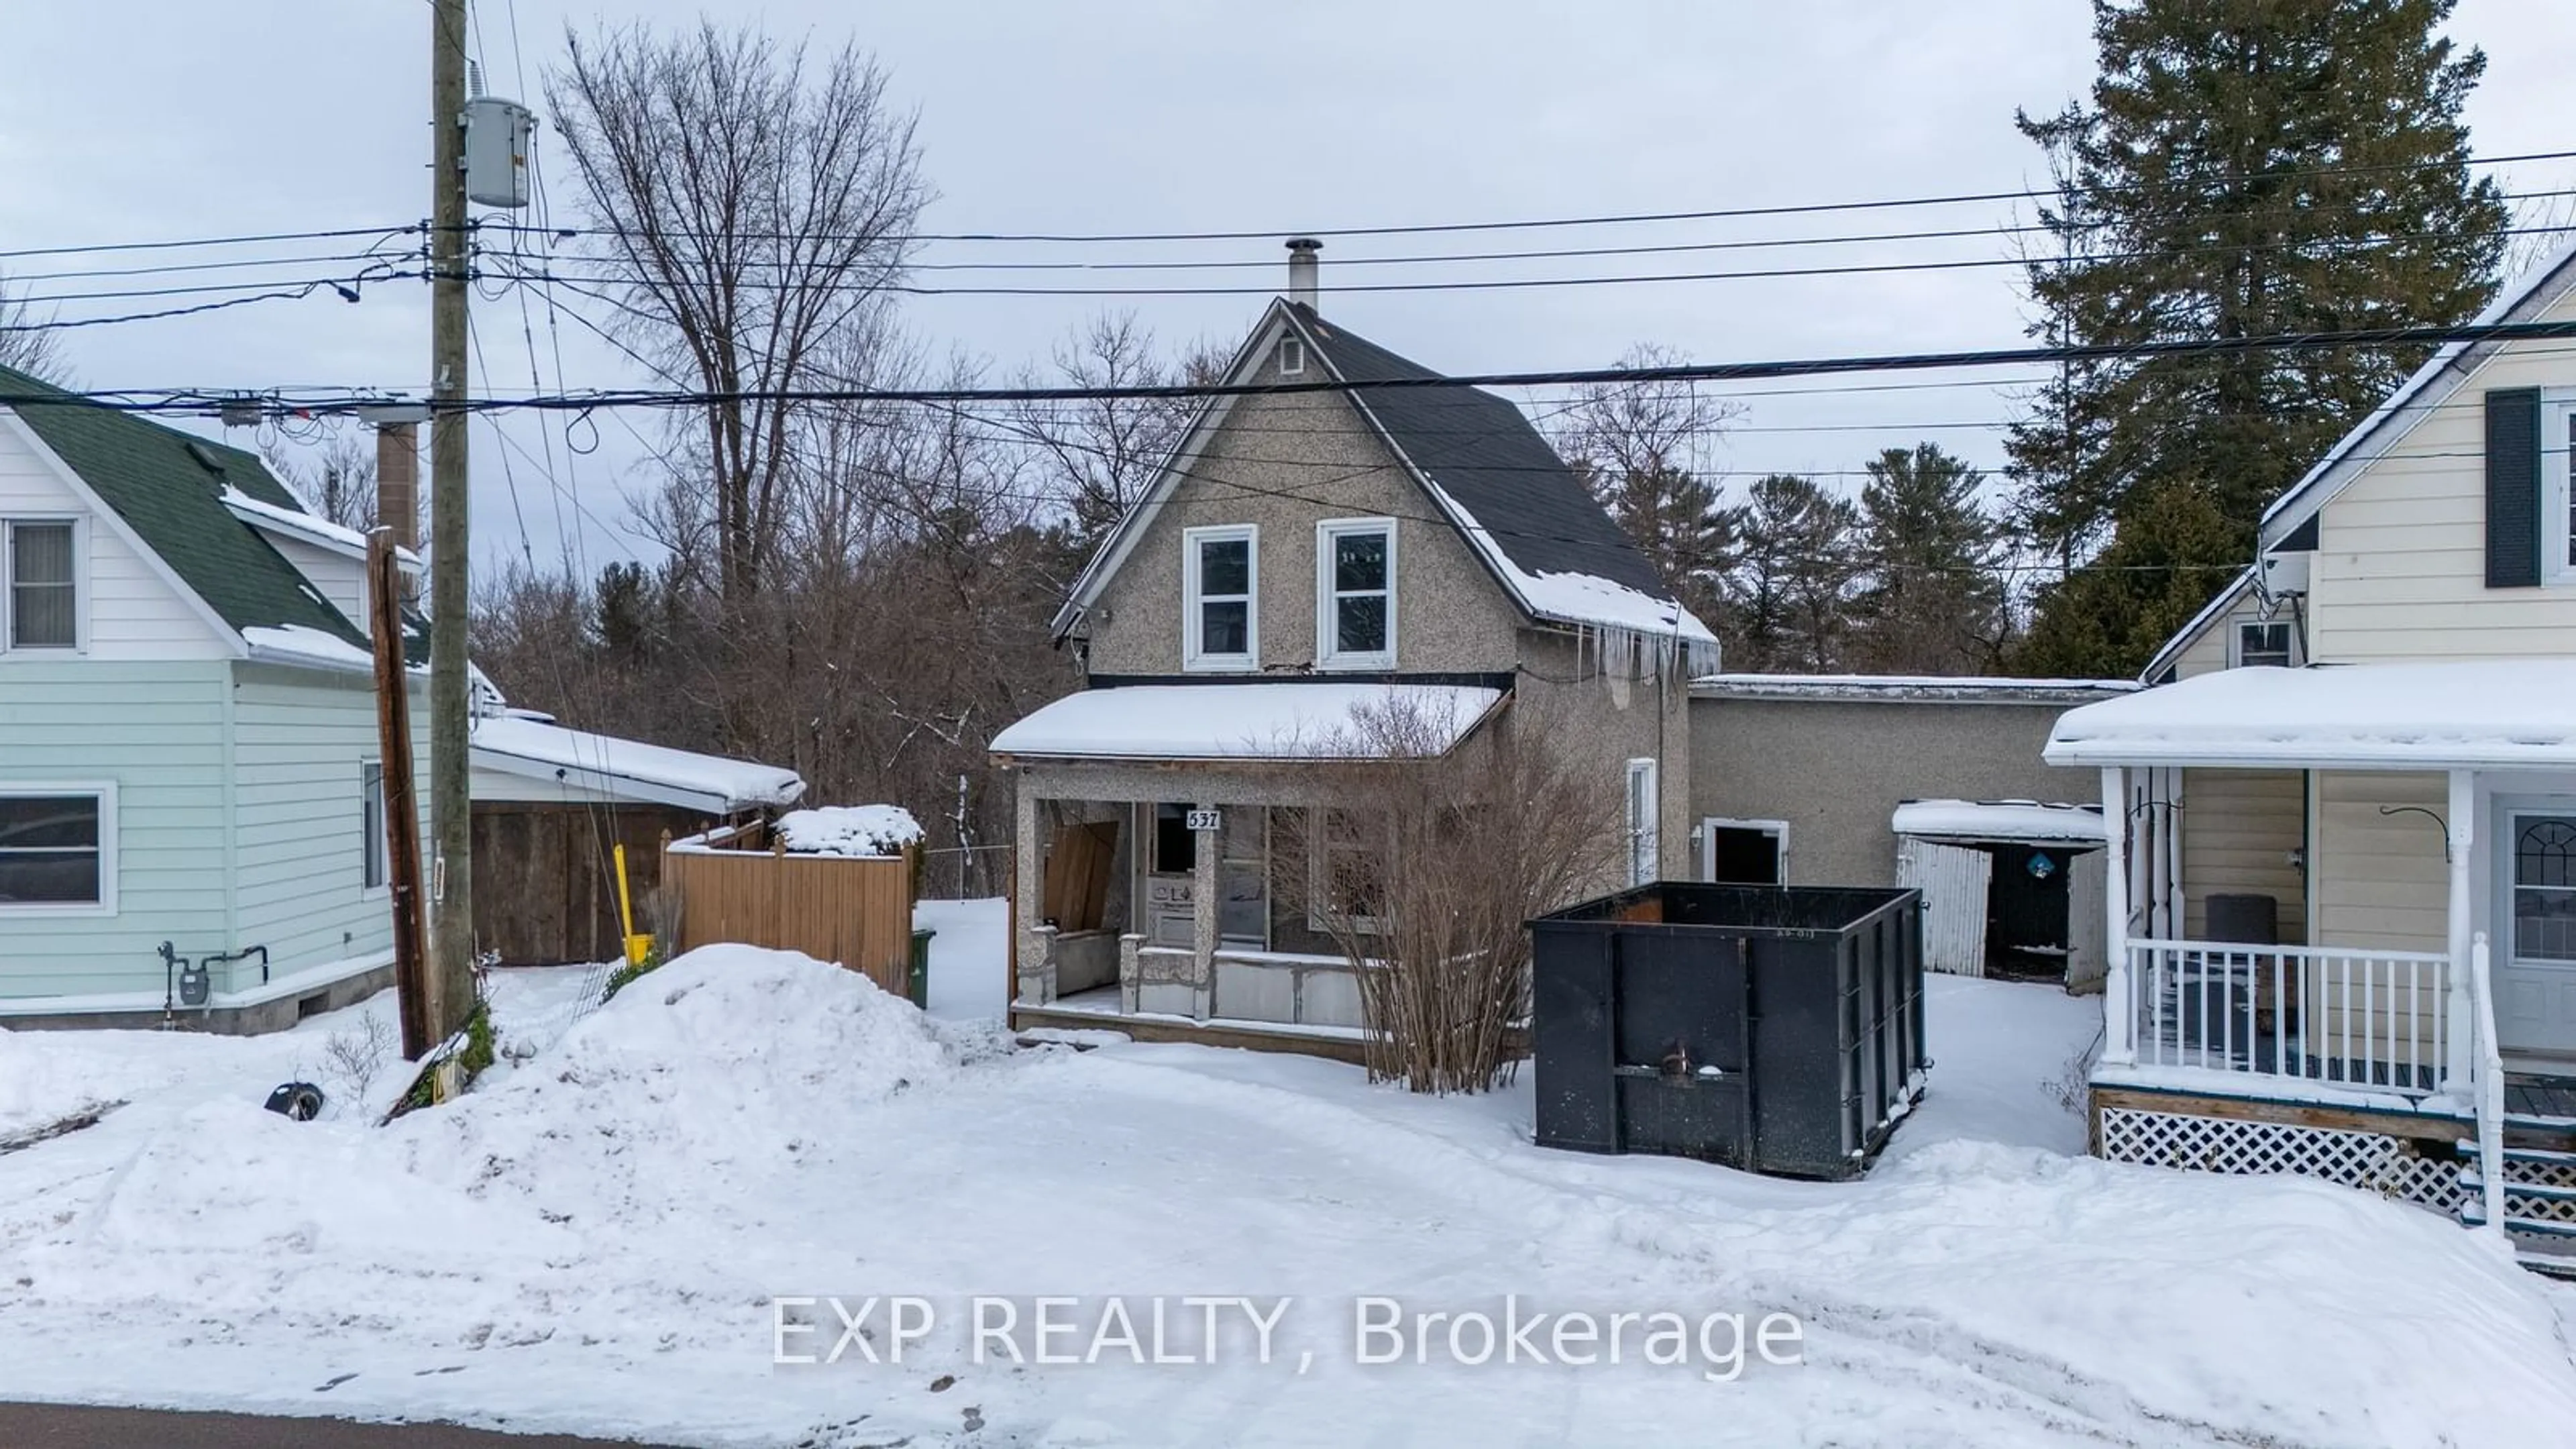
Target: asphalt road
73, 1426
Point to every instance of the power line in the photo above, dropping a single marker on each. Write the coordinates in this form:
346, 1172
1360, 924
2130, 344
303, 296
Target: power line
93, 248
1624, 219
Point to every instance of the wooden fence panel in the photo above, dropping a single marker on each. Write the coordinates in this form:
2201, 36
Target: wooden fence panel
855, 912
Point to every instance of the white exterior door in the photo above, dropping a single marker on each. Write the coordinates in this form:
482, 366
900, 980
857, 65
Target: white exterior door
2536, 969
1953, 880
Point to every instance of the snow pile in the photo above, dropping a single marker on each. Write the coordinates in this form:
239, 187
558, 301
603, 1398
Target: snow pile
591, 1241
299, 644
1998, 820
866, 830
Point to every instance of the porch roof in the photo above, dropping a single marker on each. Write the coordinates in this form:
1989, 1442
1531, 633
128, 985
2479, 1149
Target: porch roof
1252, 721
2410, 716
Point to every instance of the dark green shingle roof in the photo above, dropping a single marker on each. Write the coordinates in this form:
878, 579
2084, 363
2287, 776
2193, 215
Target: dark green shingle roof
168, 486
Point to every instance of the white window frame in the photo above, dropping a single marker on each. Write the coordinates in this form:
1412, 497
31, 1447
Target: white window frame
2557, 489
1292, 356
1193, 656
1778, 830
105, 791
80, 586
376, 856
2236, 639
1645, 833
1328, 633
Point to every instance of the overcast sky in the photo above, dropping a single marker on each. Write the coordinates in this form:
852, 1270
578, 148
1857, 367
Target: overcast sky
149, 119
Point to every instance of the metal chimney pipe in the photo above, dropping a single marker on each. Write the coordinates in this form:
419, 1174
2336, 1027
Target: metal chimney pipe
1303, 268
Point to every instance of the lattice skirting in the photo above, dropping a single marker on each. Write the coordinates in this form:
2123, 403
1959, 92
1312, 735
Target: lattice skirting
2389, 1166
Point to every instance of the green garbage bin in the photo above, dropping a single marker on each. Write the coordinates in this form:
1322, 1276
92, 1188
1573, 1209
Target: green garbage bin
918, 987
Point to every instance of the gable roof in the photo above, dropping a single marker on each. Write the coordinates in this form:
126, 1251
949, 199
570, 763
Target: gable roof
1523, 512
2524, 299
169, 487
2190, 633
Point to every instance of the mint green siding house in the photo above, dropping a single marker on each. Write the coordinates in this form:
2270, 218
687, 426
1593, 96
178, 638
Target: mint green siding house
188, 752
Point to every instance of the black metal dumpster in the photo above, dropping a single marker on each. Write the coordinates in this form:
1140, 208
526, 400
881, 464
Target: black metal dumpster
1774, 1029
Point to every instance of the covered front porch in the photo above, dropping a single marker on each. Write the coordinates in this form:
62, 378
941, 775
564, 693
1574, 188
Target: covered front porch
1173, 860
2408, 1023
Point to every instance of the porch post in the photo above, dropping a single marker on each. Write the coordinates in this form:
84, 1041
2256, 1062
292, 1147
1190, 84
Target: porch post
1203, 919
2118, 1048
1028, 867
2460, 1025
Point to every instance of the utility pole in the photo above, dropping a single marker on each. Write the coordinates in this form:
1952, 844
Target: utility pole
451, 973
401, 800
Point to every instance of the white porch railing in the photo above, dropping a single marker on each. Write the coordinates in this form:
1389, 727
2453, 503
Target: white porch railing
2337, 1015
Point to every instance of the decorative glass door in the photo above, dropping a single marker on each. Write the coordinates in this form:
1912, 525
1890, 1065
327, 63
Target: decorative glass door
2536, 975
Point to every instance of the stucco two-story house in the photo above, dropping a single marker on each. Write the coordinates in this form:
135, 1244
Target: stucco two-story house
1305, 558
2342, 914
191, 800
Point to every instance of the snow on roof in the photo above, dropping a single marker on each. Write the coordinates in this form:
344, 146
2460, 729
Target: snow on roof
515, 744
2189, 634
2364, 716
1999, 820
296, 644
864, 830
1579, 598
2529, 286
1294, 721
311, 527
1908, 687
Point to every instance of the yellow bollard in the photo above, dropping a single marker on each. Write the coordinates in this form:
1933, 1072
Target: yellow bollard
637, 947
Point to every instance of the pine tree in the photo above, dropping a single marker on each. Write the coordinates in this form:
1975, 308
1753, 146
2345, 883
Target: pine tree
2243, 168
1793, 585
1932, 600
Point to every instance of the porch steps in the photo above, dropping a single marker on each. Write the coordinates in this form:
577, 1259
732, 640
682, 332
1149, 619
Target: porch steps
2540, 1192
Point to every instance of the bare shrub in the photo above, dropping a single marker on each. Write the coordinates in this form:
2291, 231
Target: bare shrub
357, 1056
1424, 865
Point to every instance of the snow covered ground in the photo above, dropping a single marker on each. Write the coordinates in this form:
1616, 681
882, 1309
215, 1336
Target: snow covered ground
594, 1240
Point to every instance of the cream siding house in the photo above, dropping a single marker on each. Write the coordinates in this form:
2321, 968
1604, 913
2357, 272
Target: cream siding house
2400, 783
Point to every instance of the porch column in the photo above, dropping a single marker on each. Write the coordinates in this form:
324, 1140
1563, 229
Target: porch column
1203, 904
1028, 862
2117, 1047
2461, 1023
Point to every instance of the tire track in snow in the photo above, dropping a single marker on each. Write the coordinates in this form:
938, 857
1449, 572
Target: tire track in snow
1938, 1354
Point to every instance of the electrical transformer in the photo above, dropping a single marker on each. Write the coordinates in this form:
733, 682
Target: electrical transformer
499, 135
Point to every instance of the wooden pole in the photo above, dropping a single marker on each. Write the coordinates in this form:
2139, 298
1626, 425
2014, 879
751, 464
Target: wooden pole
420, 1030
451, 975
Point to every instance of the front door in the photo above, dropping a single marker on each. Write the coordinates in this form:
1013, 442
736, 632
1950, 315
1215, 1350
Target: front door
2536, 967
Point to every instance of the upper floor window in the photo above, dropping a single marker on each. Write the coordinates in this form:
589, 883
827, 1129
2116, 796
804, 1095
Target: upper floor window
41, 568
1292, 357
1221, 620
2266, 642
1355, 593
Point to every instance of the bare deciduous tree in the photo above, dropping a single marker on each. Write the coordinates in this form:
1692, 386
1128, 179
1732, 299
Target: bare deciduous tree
1102, 453
752, 207
1642, 448
37, 353
1424, 867
337, 481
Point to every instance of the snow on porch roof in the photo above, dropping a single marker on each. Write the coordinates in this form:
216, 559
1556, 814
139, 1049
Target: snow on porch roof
2500, 712
1299, 721
1999, 820
534, 746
